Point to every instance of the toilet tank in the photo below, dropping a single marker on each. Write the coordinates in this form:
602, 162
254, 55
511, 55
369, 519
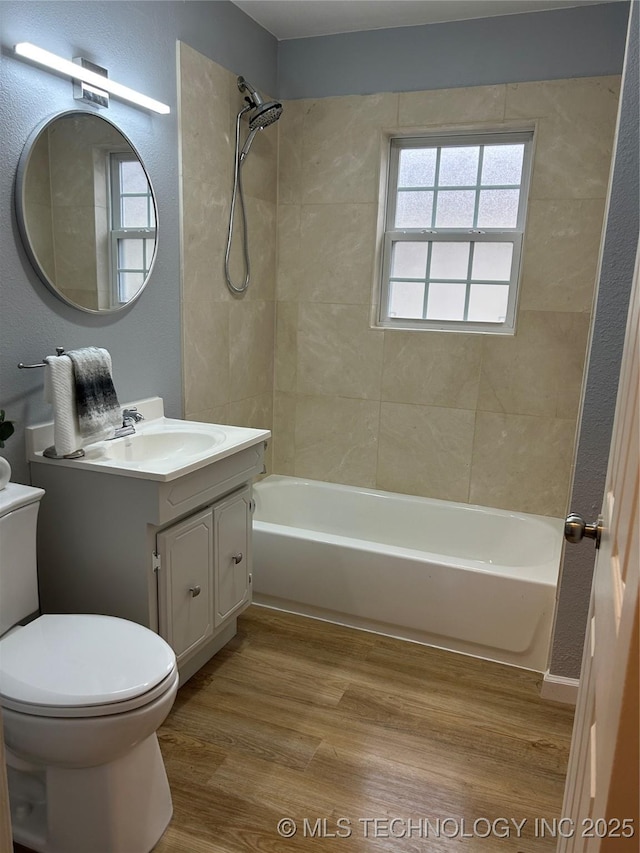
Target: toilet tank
18, 567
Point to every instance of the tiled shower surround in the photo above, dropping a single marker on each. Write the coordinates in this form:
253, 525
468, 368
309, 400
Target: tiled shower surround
475, 418
228, 341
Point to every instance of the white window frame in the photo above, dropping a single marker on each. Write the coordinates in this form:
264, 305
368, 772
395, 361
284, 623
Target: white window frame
474, 235
118, 231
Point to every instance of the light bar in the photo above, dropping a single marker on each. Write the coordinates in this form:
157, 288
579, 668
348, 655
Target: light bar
77, 72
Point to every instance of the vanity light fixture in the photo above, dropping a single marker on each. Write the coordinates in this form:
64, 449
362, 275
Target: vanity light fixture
86, 75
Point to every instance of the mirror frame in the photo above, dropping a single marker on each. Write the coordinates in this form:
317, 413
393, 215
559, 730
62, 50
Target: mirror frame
21, 173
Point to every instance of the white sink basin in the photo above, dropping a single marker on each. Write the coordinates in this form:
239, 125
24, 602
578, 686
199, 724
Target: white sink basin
165, 445
161, 448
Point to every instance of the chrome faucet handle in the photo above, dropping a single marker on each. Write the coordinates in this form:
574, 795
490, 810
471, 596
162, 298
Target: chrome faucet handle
131, 415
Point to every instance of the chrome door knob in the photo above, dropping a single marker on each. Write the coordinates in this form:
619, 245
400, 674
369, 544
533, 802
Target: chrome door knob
576, 529
195, 591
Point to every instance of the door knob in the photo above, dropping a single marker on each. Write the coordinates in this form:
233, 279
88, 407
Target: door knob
237, 558
195, 591
576, 529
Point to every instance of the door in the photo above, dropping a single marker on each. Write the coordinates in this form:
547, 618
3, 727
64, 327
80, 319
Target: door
185, 583
232, 525
601, 793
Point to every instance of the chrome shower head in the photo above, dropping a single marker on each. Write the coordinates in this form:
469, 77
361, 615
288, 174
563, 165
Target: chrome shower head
261, 113
266, 114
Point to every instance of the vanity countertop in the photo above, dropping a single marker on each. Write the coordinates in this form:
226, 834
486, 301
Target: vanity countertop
161, 448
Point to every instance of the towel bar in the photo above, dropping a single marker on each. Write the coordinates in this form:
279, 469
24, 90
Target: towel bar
43, 363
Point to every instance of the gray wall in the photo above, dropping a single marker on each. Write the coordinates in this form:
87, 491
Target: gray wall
585, 41
619, 252
136, 41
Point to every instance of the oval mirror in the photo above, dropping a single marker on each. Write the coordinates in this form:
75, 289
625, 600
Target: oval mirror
86, 212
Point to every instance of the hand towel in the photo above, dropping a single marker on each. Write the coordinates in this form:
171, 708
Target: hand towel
59, 390
97, 403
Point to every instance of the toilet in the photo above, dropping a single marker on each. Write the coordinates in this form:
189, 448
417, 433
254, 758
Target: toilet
81, 698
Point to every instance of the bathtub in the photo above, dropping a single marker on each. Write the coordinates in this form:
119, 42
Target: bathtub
470, 579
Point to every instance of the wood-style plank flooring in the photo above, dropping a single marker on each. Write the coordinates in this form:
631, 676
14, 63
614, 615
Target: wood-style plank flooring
303, 720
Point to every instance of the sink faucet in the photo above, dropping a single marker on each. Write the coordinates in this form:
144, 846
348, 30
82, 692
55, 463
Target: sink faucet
129, 417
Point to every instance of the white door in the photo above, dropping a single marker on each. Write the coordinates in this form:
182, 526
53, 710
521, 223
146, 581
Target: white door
601, 793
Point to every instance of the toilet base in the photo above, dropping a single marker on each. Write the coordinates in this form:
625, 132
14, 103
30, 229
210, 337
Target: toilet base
120, 807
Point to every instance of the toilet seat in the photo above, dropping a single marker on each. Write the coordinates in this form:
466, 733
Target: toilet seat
83, 665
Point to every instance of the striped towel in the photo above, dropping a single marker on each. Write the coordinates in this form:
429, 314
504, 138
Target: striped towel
97, 403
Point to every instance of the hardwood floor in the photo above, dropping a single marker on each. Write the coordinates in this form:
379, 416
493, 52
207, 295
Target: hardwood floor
336, 729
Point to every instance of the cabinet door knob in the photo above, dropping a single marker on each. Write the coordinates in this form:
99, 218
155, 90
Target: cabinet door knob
237, 558
195, 591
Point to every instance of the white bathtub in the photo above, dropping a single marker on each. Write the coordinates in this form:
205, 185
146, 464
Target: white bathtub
471, 579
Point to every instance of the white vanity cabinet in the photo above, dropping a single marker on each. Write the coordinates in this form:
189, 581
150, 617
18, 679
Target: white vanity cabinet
203, 572
172, 552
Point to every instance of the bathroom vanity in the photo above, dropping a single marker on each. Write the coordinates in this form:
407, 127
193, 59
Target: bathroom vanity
154, 527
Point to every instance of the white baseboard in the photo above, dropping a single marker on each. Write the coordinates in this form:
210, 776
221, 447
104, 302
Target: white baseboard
557, 688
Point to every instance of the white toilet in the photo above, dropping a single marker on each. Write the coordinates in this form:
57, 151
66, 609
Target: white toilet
82, 697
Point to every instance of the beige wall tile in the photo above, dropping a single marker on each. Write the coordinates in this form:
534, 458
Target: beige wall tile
341, 147
560, 257
430, 382
522, 463
261, 226
255, 412
425, 450
431, 368
37, 178
206, 354
570, 161
228, 340
74, 241
204, 216
286, 346
284, 433
539, 370
576, 124
336, 439
290, 127
41, 237
337, 251
584, 99
452, 106
338, 354
289, 257
251, 339
217, 415
259, 172
205, 119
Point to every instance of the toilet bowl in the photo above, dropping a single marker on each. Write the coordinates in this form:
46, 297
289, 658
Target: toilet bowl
82, 696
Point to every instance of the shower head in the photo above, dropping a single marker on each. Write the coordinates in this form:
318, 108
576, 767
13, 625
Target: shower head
264, 115
261, 113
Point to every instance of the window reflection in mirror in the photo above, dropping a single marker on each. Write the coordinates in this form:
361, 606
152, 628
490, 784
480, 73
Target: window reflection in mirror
86, 212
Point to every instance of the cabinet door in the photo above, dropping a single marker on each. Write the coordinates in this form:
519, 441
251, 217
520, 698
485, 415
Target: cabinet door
185, 583
232, 520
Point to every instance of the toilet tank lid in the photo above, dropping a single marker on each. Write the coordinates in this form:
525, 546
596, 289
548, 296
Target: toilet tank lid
74, 660
15, 495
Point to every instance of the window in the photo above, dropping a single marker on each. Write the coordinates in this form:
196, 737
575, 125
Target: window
133, 225
453, 231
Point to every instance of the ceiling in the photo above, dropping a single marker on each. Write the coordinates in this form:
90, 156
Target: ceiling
289, 19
